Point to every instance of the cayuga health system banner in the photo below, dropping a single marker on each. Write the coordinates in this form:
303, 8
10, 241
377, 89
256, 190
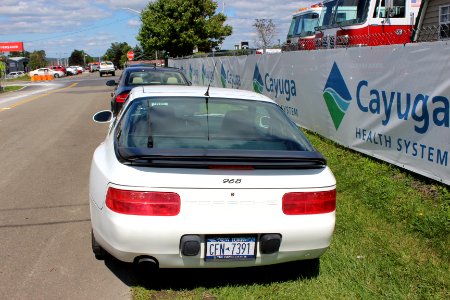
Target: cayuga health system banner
389, 102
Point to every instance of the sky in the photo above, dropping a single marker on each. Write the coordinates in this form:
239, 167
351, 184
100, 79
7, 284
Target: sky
61, 26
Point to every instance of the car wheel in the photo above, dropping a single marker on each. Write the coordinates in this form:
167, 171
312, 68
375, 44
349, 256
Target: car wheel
114, 74
56, 75
99, 252
101, 74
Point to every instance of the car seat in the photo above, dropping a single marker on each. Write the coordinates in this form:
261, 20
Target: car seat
137, 80
172, 80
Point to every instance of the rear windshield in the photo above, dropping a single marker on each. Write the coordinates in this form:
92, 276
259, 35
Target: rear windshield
195, 123
154, 77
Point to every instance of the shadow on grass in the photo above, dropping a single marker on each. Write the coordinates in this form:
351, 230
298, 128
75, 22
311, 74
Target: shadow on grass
182, 279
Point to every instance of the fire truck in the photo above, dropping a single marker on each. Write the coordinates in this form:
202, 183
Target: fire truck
346, 23
302, 31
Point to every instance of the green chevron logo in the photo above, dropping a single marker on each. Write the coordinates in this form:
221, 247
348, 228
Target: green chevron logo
258, 83
336, 96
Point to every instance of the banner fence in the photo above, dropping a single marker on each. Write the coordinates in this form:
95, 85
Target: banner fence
389, 102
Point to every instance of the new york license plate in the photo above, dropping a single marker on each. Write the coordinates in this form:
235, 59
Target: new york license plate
231, 248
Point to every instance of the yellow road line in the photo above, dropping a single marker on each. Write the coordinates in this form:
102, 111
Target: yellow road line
37, 97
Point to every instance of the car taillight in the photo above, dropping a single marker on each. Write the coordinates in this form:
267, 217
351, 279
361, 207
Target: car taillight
122, 97
309, 203
143, 203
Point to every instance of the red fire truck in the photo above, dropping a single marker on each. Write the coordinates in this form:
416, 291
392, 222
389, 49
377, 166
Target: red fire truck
345, 23
302, 31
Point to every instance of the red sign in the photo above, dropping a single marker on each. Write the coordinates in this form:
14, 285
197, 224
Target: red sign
11, 46
130, 55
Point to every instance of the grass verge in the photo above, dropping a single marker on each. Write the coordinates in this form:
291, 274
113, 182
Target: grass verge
391, 241
21, 78
10, 88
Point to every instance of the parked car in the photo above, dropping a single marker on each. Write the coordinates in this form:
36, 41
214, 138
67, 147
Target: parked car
135, 76
71, 71
47, 71
190, 177
15, 74
58, 68
78, 69
12, 75
93, 68
107, 67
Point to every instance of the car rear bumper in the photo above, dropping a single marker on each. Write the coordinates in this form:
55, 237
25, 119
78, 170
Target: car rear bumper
107, 71
129, 237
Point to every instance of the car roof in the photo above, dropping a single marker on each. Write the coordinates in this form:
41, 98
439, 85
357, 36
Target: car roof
150, 68
194, 91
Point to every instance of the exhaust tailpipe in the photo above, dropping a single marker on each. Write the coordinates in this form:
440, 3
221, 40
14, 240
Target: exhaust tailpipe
146, 264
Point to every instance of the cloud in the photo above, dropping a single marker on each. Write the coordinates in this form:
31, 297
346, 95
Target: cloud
134, 23
133, 4
63, 25
242, 14
37, 16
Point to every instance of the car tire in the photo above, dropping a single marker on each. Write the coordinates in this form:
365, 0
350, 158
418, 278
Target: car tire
99, 252
101, 74
114, 74
56, 75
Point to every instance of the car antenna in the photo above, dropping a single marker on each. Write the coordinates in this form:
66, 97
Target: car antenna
207, 98
210, 80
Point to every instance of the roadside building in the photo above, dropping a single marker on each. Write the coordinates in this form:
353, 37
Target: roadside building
15, 64
433, 22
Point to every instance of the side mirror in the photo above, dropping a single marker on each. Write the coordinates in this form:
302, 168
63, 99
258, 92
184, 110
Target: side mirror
104, 116
389, 7
111, 83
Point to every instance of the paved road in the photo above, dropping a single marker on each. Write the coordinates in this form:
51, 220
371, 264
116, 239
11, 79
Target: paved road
47, 140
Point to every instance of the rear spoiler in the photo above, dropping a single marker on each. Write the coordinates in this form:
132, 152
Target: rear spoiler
206, 158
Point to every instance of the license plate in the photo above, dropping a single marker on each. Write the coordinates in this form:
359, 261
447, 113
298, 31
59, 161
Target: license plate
231, 248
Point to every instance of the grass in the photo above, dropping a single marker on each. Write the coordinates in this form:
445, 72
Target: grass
391, 241
10, 88
21, 78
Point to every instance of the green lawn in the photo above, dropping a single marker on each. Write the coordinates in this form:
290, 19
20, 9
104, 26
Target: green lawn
21, 78
391, 241
10, 88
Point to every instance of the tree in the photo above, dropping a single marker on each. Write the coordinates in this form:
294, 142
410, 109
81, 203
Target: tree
37, 60
117, 53
90, 59
20, 54
266, 31
180, 26
77, 58
139, 53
